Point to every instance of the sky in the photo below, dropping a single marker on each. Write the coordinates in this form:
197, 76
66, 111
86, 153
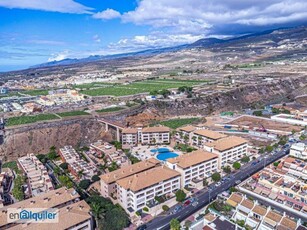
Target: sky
39, 31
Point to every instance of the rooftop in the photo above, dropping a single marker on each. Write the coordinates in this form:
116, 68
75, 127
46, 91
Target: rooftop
155, 129
188, 128
192, 158
259, 210
210, 134
129, 170
130, 131
227, 143
147, 178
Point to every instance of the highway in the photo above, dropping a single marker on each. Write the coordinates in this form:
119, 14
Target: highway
162, 221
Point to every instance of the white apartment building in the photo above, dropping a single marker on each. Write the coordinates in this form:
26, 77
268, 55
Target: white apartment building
298, 119
229, 149
148, 135
194, 166
137, 191
184, 134
202, 136
108, 180
299, 150
37, 176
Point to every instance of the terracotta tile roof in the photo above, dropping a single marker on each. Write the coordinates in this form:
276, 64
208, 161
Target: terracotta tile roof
129, 170
273, 216
235, 199
50, 199
188, 128
288, 223
147, 178
192, 158
130, 131
210, 134
289, 160
227, 143
156, 129
69, 216
259, 210
247, 203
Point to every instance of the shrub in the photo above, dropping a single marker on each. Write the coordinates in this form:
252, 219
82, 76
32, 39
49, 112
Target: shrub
165, 208
216, 177
180, 195
84, 184
145, 209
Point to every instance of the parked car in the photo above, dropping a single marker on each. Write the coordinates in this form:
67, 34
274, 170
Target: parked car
186, 203
238, 181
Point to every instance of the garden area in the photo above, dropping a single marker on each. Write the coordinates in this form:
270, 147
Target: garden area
108, 110
176, 123
21, 120
73, 113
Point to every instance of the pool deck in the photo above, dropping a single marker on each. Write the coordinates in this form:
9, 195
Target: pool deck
143, 151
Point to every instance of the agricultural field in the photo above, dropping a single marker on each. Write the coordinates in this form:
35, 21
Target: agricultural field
37, 92
108, 110
176, 123
73, 113
30, 119
92, 85
140, 87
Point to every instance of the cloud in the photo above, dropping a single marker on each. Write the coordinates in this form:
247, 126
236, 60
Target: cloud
107, 14
199, 16
96, 38
62, 6
59, 56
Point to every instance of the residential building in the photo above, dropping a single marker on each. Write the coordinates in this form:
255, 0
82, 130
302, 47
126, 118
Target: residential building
202, 136
299, 150
6, 178
184, 134
38, 179
75, 216
76, 164
53, 199
194, 166
139, 190
147, 135
108, 180
297, 119
229, 149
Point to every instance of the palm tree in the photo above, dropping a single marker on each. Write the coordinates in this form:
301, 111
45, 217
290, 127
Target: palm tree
81, 173
98, 212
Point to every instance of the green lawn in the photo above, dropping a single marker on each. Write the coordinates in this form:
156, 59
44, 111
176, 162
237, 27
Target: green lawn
113, 109
139, 87
30, 119
73, 113
37, 92
176, 123
12, 165
92, 85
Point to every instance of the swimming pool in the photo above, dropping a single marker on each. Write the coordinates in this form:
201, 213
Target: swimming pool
166, 155
160, 150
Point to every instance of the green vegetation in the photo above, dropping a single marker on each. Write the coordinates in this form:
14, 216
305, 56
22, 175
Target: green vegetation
232, 189
139, 87
165, 208
42, 158
269, 148
227, 169
257, 113
18, 190
180, 195
278, 111
37, 92
12, 165
236, 165
66, 181
107, 215
145, 209
276, 163
216, 177
108, 110
176, 123
205, 182
30, 119
185, 148
92, 85
95, 178
245, 159
113, 166
303, 137
84, 184
132, 158
175, 224
72, 113
64, 166
52, 155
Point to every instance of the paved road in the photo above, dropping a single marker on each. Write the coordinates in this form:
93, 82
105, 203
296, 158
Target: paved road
162, 222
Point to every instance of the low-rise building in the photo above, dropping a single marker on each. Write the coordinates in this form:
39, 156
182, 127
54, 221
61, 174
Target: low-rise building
202, 136
139, 190
108, 180
299, 150
229, 149
147, 135
76, 164
53, 199
38, 179
194, 166
184, 134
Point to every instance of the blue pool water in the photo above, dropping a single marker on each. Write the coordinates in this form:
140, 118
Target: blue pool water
160, 150
166, 155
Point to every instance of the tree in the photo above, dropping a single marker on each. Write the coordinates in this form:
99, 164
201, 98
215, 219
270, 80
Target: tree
269, 148
245, 159
52, 155
66, 181
232, 190
165, 208
175, 224
276, 163
180, 195
64, 166
118, 145
257, 113
97, 212
205, 182
303, 137
81, 173
216, 177
236, 165
42, 158
95, 178
84, 184
227, 169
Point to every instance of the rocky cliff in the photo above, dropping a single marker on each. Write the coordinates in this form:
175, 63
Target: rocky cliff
39, 137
